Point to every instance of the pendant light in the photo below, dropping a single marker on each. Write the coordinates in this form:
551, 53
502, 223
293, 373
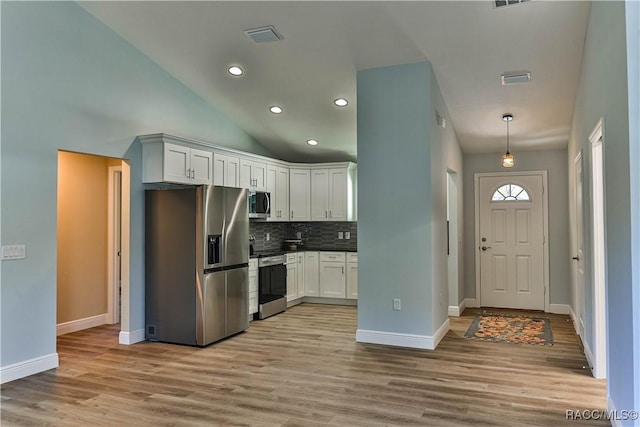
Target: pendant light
507, 158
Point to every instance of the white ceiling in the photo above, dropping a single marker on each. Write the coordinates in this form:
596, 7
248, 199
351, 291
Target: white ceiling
469, 43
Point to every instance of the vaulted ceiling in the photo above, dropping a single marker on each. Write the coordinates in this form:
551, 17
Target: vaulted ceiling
469, 43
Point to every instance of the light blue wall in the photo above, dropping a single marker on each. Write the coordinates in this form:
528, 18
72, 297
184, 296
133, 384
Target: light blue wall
633, 78
70, 83
555, 163
603, 92
446, 155
394, 199
402, 164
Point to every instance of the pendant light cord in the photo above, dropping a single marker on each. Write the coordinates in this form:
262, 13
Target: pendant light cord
508, 136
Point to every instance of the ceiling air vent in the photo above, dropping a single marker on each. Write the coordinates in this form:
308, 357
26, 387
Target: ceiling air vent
502, 3
264, 34
513, 78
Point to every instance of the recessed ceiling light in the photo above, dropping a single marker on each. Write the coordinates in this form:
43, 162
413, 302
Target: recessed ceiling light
341, 102
312, 142
275, 109
235, 70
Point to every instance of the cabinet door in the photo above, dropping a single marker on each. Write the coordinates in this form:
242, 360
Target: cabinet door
337, 195
259, 176
299, 192
253, 286
300, 275
245, 174
201, 167
176, 163
272, 189
319, 195
226, 170
352, 280
283, 194
332, 279
292, 282
311, 274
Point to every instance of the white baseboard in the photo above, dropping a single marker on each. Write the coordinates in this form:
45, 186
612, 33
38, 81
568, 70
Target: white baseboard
28, 367
426, 342
332, 301
128, 338
80, 324
587, 352
560, 309
456, 310
471, 302
574, 319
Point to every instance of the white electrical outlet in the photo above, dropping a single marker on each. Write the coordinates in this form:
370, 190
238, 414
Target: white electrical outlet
397, 304
268, 237
347, 235
340, 235
14, 252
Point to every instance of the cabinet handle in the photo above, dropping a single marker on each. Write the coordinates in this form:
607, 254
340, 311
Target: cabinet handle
188, 173
343, 271
325, 214
193, 173
291, 214
330, 214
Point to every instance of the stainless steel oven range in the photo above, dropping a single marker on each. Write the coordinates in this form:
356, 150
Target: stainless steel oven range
272, 286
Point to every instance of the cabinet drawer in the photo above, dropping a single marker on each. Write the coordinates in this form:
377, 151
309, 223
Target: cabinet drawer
352, 257
292, 258
332, 256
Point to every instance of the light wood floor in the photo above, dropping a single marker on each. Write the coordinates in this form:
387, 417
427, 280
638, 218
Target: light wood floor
303, 368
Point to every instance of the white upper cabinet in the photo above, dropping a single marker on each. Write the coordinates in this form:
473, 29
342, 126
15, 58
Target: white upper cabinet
253, 175
167, 162
320, 195
299, 194
333, 194
277, 184
226, 170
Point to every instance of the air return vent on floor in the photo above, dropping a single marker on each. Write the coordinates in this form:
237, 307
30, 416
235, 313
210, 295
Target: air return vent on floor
264, 34
502, 3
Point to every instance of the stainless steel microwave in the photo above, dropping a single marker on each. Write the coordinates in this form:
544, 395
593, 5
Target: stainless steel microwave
259, 204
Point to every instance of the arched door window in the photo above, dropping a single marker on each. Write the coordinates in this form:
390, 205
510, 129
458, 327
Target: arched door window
510, 193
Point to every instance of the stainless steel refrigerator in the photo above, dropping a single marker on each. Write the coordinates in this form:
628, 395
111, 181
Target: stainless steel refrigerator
196, 264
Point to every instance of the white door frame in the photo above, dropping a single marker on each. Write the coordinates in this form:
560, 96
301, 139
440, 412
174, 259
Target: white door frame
454, 308
114, 216
545, 227
578, 285
596, 140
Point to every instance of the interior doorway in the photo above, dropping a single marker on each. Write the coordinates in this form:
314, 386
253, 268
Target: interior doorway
452, 245
578, 258
512, 225
92, 246
599, 267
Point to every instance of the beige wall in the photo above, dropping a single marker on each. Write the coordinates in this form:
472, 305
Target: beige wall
82, 236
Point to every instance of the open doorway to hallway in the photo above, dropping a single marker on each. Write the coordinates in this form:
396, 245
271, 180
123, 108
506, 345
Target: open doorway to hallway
89, 241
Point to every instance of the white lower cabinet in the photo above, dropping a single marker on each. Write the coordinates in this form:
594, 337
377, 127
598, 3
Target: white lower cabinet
253, 286
292, 277
352, 276
300, 274
333, 274
311, 274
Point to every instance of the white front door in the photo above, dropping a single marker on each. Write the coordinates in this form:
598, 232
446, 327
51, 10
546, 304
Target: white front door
511, 247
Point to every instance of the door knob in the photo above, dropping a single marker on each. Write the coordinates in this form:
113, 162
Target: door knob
484, 248
576, 258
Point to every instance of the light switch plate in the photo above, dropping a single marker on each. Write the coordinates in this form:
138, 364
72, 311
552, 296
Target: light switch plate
347, 235
14, 252
397, 305
340, 235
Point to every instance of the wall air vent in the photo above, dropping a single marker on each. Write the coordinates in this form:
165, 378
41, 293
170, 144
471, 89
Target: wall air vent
503, 3
264, 34
515, 77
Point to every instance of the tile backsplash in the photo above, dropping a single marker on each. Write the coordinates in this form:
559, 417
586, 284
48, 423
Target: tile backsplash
315, 235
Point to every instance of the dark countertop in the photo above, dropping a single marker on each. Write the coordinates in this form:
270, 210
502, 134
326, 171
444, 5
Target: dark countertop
274, 252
